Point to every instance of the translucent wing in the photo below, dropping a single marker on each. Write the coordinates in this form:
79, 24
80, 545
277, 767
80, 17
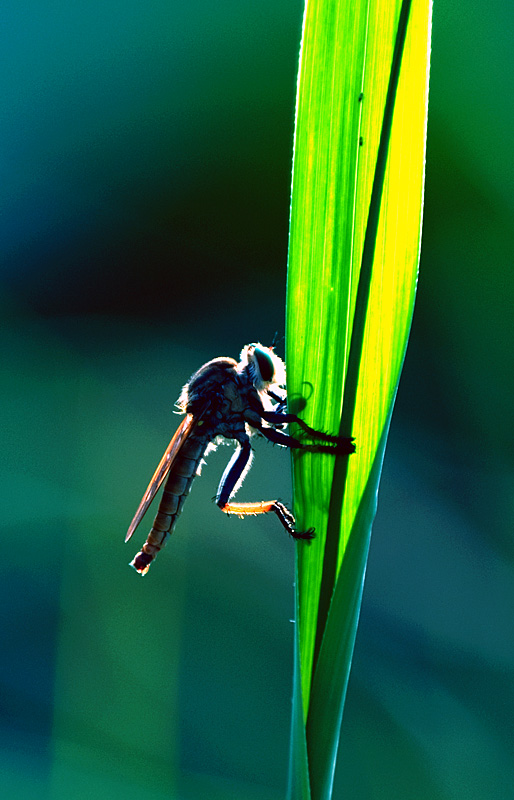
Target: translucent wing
179, 437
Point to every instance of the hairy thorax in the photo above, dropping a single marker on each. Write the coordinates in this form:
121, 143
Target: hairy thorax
230, 396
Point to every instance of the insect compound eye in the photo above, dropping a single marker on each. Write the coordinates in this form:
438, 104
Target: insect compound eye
265, 363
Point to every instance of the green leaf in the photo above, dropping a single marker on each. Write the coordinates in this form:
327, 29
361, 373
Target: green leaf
335, 657
356, 210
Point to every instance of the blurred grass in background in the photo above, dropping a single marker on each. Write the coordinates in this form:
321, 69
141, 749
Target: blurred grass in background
145, 199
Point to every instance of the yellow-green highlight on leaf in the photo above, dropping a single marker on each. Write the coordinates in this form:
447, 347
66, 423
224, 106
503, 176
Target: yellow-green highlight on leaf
360, 326
356, 209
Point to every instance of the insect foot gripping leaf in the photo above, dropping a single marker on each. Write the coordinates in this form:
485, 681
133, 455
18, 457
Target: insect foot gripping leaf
223, 398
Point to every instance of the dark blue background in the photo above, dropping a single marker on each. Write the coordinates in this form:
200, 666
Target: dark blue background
144, 212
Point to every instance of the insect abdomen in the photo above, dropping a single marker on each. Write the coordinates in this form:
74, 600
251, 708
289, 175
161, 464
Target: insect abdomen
176, 489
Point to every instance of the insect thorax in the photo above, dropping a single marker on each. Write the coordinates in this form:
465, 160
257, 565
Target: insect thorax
218, 395
206, 384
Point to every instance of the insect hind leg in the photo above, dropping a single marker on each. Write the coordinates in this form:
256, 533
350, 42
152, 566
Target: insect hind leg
230, 483
265, 507
289, 523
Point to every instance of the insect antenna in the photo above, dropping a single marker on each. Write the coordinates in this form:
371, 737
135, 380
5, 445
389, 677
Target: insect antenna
276, 340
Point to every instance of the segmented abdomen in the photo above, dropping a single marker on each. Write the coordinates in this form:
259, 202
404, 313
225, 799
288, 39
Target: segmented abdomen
176, 489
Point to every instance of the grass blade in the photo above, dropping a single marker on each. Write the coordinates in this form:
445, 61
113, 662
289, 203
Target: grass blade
335, 657
354, 248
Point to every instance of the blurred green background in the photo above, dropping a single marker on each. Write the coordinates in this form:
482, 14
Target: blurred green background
146, 154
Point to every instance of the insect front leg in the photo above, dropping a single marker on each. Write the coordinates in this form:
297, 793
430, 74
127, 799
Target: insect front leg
280, 400
231, 481
339, 445
343, 445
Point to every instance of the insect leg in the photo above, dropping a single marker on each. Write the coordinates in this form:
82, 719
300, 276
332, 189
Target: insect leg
344, 444
281, 401
231, 481
340, 446
235, 473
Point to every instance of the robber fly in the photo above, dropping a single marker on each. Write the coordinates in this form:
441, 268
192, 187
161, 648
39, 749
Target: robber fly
233, 400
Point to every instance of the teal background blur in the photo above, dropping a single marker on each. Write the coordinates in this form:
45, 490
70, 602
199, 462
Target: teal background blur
145, 152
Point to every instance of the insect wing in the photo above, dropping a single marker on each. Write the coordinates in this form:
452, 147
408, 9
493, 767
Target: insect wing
162, 470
